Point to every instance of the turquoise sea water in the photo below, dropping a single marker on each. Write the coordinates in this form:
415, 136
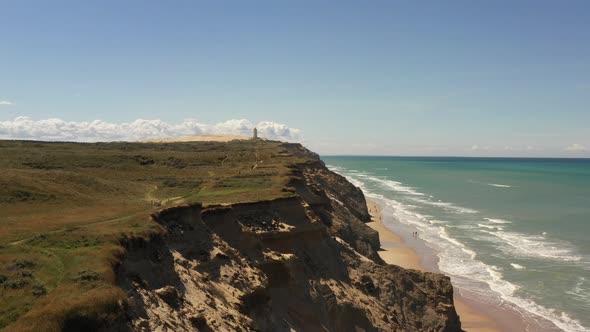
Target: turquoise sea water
514, 231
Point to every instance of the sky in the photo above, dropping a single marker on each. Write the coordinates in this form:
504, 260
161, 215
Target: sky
459, 78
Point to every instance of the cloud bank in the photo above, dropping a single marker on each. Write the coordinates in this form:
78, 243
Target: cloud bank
59, 130
6, 103
576, 147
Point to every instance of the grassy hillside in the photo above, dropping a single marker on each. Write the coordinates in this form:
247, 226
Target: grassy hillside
66, 207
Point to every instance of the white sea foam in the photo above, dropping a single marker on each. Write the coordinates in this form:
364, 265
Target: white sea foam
459, 261
461, 264
499, 185
535, 246
461, 226
443, 234
507, 289
390, 184
446, 206
498, 221
401, 188
580, 291
517, 266
335, 168
490, 227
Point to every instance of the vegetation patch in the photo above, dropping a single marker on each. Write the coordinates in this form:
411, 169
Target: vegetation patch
86, 275
68, 208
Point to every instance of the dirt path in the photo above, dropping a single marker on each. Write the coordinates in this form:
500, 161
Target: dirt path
69, 228
149, 196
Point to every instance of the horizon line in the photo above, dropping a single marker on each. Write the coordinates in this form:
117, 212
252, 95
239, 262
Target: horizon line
439, 156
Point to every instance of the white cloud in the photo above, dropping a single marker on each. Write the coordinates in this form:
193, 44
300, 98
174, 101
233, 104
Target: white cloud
140, 129
476, 147
576, 147
279, 131
6, 103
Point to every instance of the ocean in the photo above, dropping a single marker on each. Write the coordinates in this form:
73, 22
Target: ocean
510, 231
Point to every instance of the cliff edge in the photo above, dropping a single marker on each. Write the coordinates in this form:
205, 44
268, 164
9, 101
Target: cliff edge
305, 263
244, 235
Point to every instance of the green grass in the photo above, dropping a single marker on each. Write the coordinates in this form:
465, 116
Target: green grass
66, 207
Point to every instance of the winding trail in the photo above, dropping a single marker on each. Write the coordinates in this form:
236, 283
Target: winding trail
148, 197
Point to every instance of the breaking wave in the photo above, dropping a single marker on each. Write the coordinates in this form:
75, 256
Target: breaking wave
499, 185
535, 246
459, 261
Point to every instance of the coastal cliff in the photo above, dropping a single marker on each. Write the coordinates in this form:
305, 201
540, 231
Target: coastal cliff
211, 236
306, 262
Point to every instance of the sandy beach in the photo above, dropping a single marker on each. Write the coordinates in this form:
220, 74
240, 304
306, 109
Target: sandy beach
394, 252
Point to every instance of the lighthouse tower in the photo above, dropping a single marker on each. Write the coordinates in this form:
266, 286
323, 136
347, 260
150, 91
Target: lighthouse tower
255, 133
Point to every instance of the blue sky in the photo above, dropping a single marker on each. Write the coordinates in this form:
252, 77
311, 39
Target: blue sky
502, 78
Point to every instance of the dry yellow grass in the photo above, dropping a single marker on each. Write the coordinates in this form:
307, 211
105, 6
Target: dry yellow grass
67, 206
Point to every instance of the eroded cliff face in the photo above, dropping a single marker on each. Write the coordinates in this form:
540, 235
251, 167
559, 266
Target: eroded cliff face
306, 263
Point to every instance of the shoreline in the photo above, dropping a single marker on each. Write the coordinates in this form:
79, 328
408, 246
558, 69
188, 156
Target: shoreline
394, 250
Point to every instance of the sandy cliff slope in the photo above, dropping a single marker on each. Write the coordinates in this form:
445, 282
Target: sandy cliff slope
305, 263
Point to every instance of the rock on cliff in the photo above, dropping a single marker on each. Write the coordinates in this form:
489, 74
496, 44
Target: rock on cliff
305, 263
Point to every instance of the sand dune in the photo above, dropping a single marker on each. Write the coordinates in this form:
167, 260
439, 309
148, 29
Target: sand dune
199, 138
